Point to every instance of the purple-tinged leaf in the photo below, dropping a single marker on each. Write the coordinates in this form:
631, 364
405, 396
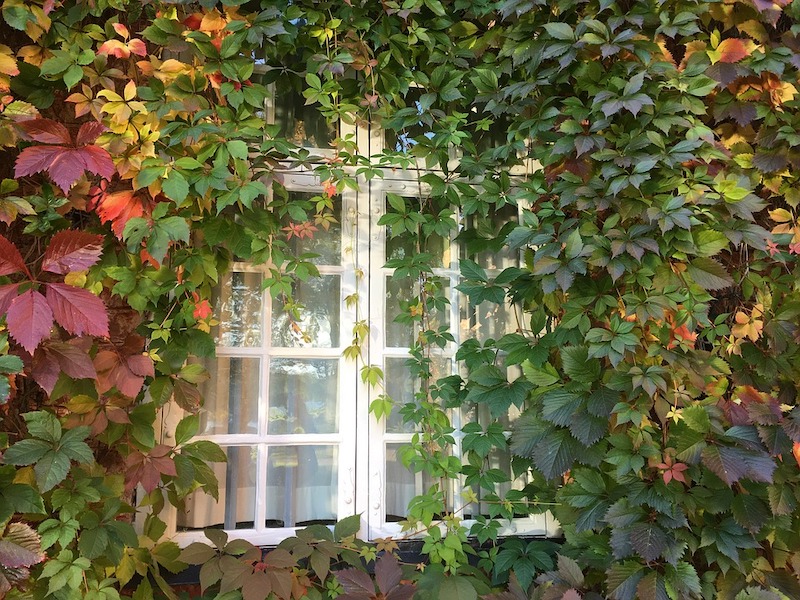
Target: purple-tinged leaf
45, 131
387, 573
89, 132
356, 583
20, 547
11, 260
29, 319
53, 358
77, 310
7, 293
72, 251
648, 540
769, 161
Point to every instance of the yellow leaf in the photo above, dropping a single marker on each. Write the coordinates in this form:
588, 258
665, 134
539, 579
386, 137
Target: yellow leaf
130, 90
213, 21
8, 64
781, 215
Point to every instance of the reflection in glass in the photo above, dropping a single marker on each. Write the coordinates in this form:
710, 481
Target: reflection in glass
231, 396
302, 485
487, 320
300, 123
401, 485
398, 292
327, 243
401, 387
237, 494
318, 325
502, 460
303, 396
239, 309
414, 125
403, 246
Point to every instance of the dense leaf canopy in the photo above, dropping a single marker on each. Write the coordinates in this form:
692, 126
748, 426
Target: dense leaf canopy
650, 147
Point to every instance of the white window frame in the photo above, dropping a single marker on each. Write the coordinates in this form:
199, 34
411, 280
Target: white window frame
361, 438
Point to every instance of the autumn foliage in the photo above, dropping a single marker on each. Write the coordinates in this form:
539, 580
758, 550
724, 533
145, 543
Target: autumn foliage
650, 153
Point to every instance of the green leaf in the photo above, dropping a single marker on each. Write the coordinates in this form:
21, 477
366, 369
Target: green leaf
93, 542
26, 452
187, 428
347, 527
51, 470
555, 454
578, 366
472, 271
560, 31
175, 187
457, 588
237, 148
709, 274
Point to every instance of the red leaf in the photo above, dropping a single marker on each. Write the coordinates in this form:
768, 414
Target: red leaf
89, 132
64, 165
138, 47
53, 358
11, 260
45, 131
77, 310
126, 373
732, 50
96, 160
29, 319
7, 293
72, 251
118, 207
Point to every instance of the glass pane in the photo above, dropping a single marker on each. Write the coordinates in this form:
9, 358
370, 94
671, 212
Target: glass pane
401, 484
327, 243
496, 135
299, 123
403, 245
231, 396
483, 238
415, 123
480, 413
303, 396
318, 322
237, 494
240, 320
400, 387
302, 485
487, 320
400, 291
497, 459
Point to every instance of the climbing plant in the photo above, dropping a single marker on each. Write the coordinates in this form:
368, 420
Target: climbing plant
656, 288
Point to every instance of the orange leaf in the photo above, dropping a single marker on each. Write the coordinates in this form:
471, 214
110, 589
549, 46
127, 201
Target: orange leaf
796, 452
732, 50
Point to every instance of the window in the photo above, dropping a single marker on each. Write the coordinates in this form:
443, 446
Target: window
290, 412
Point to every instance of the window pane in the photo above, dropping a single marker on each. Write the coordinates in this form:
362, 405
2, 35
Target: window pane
487, 320
401, 484
401, 386
497, 459
302, 485
318, 323
327, 243
237, 494
400, 291
400, 244
414, 122
299, 123
232, 396
303, 396
240, 321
